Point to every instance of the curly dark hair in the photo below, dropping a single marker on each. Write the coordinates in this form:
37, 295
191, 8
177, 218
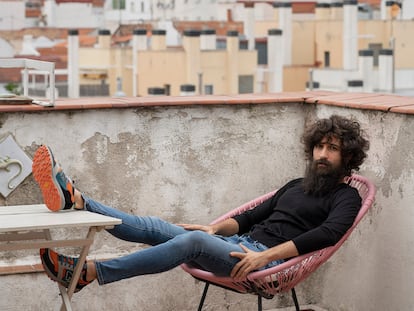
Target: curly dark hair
349, 133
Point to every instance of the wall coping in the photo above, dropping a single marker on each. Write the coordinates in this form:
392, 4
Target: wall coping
367, 101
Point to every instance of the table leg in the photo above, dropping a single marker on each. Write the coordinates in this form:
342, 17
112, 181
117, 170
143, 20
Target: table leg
68, 293
66, 305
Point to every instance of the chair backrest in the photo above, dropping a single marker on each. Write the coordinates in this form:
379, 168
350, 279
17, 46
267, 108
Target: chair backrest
287, 275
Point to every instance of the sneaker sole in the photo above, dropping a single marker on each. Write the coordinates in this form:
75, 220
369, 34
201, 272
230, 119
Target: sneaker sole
44, 175
50, 274
56, 278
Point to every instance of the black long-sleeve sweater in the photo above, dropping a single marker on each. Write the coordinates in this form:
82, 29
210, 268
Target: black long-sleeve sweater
311, 222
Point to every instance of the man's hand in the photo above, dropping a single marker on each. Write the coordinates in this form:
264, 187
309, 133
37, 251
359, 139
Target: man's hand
249, 261
192, 227
225, 228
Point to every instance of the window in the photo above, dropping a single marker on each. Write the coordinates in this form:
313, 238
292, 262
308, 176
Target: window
208, 89
327, 59
246, 84
261, 48
118, 4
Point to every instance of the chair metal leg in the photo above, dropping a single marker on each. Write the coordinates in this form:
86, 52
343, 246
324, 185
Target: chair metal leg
203, 297
259, 303
295, 299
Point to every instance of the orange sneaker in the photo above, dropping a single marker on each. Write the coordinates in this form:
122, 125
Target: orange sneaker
59, 268
57, 189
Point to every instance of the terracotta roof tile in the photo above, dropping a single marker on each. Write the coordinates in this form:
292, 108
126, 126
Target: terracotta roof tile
369, 101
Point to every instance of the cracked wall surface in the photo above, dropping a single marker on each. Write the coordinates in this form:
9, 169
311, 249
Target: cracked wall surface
192, 164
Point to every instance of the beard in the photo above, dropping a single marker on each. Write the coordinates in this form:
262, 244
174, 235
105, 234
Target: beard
320, 180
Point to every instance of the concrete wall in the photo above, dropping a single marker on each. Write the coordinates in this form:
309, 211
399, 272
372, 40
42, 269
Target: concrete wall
192, 164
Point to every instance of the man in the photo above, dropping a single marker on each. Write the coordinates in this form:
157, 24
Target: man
304, 215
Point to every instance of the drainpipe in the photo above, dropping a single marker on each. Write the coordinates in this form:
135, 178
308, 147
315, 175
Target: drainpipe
392, 45
310, 83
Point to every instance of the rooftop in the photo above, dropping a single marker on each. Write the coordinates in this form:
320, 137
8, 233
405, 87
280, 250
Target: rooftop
368, 101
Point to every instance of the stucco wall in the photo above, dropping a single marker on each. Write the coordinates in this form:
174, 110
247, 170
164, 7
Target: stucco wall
192, 164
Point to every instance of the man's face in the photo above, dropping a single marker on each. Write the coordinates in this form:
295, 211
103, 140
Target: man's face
327, 156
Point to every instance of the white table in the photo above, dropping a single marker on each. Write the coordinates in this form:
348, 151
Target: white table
29, 227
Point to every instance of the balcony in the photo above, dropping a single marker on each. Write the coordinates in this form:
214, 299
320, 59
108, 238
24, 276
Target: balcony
190, 159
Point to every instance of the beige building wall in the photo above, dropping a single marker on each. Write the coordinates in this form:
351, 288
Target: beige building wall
157, 68
310, 40
174, 67
212, 64
328, 38
261, 27
295, 78
403, 31
247, 62
303, 43
94, 60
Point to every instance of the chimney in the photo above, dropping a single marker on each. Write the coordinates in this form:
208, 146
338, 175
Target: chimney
191, 44
385, 70
158, 39
350, 35
366, 68
73, 63
139, 40
229, 15
275, 60
322, 11
104, 39
337, 10
285, 24
232, 74
208, 39
249, 24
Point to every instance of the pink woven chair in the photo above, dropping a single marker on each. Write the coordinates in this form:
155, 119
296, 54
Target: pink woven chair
284, 277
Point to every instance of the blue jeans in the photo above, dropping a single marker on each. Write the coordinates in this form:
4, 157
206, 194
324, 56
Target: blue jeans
172, 245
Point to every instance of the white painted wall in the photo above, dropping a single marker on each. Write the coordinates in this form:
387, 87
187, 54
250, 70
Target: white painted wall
72, 15
12, 15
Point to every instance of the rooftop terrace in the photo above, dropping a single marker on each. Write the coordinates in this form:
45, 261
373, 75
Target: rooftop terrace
190, 159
